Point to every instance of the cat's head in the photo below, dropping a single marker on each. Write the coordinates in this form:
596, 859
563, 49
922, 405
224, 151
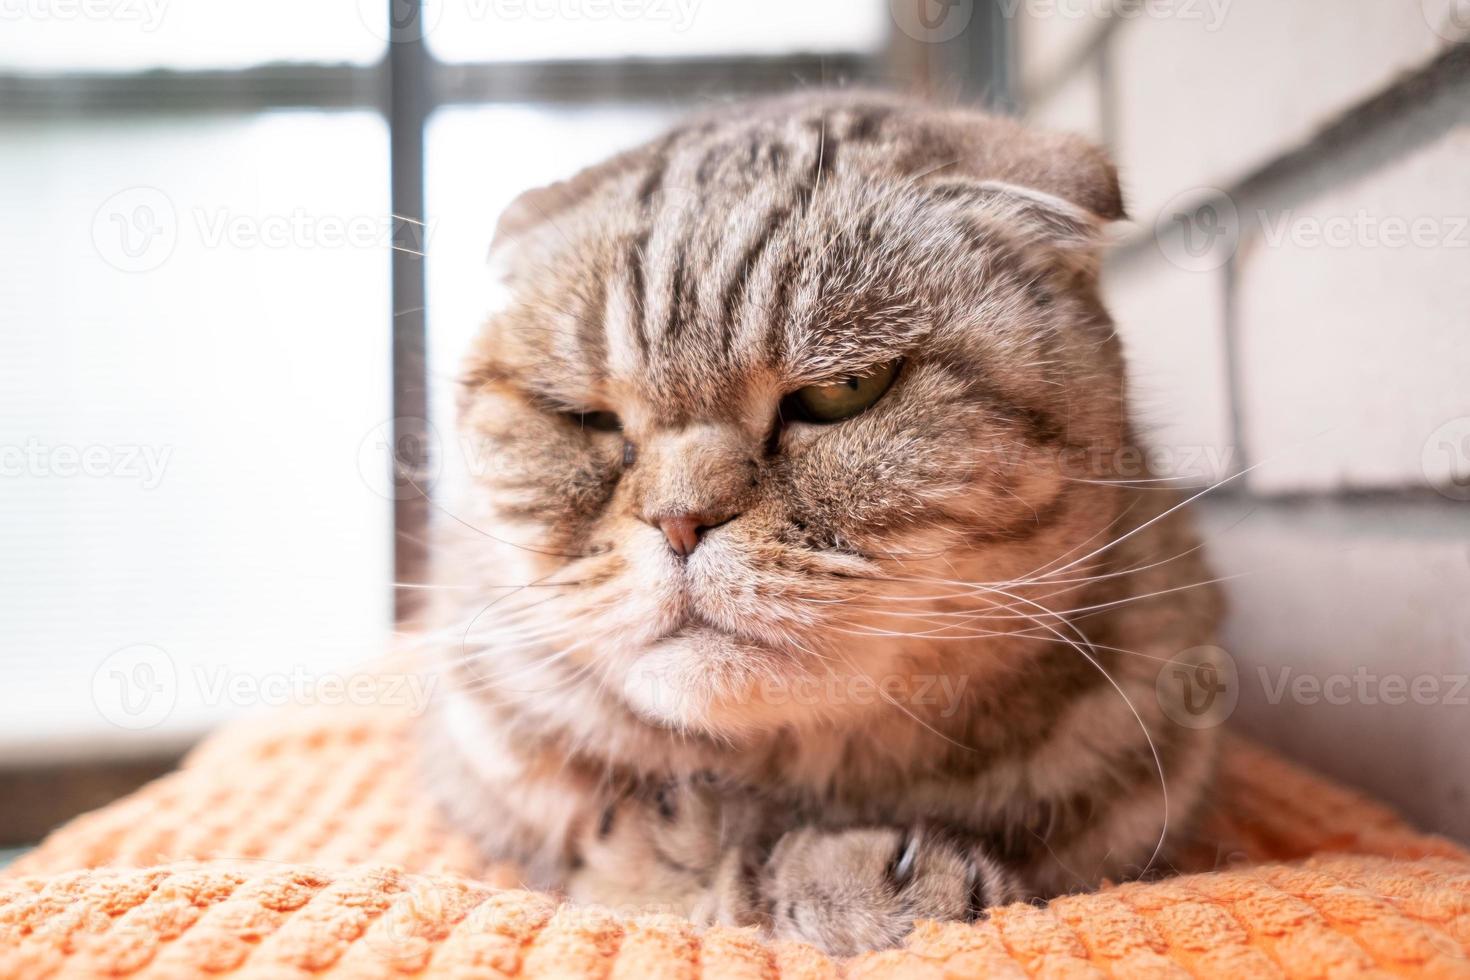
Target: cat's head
772, 395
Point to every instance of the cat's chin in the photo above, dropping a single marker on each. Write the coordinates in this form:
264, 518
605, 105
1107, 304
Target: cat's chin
705, 680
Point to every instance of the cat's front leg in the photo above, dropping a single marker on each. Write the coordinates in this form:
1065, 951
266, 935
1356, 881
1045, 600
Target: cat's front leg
686, 849
858, 889
682, 847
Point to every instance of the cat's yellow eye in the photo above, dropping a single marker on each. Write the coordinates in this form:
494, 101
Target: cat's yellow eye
845, 397
598, 421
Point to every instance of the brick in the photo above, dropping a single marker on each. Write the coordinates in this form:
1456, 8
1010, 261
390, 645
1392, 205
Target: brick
1051, 36
1347, 590
1076, 106
1204, 107
1355, 351
1172, 324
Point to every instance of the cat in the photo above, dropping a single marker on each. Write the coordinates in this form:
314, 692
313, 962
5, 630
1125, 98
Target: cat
803, 592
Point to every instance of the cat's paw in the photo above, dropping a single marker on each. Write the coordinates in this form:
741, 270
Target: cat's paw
659, 848
847, 891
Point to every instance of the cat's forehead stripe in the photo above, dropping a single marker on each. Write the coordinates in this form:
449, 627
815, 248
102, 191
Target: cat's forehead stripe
672, 259
735, 302
770, 242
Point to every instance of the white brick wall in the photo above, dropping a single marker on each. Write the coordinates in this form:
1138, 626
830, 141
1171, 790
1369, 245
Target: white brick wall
1315, 321
1076, 106
1172, 324
1198, 106
1355, 349
1375, 592
1050, 36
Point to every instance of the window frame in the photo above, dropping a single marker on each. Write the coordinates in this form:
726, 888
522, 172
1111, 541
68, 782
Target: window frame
407, 85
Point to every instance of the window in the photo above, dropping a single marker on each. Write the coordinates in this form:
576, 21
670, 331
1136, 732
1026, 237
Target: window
190, 361
206, 331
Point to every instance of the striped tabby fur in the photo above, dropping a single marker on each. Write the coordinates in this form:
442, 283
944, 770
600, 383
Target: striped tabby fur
900, 681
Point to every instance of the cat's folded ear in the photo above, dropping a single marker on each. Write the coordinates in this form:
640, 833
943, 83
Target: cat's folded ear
537, 212
1050, 220
1059, 185
1062, 165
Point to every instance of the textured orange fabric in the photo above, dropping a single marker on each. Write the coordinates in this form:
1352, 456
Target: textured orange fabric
299, 846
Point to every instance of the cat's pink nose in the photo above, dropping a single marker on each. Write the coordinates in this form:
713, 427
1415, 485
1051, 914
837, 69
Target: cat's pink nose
683, 531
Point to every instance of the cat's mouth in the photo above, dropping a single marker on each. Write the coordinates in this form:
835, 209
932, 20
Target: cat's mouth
693, 627
697, 676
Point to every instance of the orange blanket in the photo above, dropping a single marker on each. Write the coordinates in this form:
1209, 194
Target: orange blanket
299, 846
